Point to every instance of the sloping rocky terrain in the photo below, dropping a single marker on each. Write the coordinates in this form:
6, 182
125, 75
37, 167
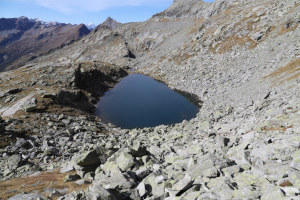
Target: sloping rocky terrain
23, 39
240, 57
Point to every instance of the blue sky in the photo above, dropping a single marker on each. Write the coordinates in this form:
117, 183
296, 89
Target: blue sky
83, 11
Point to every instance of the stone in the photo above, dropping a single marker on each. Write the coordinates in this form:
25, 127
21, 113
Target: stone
183, 184
152, 187
159, 179
290, 191
125, 161
230, 171
14, 161
210, 173
257, 36
115, 180
30, 196
49, 151
243, 143
87, 159
67, 168
81, 182
72, 177
27, 104
142, 172
205, 126
194, 149
141, 188
139, 151
96, 191
272, 193
237, 154
172, 157
295, 164
246, 178
192, 196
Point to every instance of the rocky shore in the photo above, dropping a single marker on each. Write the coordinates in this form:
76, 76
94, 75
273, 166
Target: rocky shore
241, 58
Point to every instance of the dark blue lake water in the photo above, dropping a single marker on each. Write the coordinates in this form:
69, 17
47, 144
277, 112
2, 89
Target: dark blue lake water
139, 101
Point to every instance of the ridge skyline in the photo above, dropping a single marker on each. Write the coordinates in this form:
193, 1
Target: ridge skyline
66, 12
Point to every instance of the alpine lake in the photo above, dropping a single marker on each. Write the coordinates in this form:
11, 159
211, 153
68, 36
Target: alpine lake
140, 101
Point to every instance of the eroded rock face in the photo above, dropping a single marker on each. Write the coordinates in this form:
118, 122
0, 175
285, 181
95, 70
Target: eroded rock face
97, 78
78, 87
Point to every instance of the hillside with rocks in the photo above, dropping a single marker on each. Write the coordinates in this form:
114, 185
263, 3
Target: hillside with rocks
240, 57
23, 39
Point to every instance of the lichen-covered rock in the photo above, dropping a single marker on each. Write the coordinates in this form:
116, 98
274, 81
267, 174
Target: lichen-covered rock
14, 161
31, 196
87, 159
125, 161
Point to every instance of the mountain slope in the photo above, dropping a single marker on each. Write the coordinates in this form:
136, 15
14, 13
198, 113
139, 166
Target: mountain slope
22, 39
240, 57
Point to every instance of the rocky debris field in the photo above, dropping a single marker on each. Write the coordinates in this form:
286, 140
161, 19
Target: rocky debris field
241, 58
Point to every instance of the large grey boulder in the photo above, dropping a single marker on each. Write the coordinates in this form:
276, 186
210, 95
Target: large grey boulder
97, 192
87, 159
125, 161
273, 193
14, 161
183, 184
30, 196
27, 104
115, 180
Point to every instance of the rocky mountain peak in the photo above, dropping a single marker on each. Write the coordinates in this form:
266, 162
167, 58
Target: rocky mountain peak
83, 30
111, 23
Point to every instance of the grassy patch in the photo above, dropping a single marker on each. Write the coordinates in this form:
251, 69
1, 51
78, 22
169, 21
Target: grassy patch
284, 30
38, 183
289, 72
275, 128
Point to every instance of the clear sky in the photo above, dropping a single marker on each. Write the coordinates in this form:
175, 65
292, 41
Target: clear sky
83, 11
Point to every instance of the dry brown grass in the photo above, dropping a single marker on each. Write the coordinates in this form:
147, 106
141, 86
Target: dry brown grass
276, 128
179, 58
286, 183
284, 30
37, 183
162, 58
289, 72
231, 41
169, 20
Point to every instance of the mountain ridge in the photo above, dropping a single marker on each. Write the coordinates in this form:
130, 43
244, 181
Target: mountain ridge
23, 39
241, 58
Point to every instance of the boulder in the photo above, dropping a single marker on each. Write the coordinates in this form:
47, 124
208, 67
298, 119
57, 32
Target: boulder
183, 184
125, 161
14, 161
27, 104
273, 193
72, 177
87, 159
96, 191
49, 151
30, 196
